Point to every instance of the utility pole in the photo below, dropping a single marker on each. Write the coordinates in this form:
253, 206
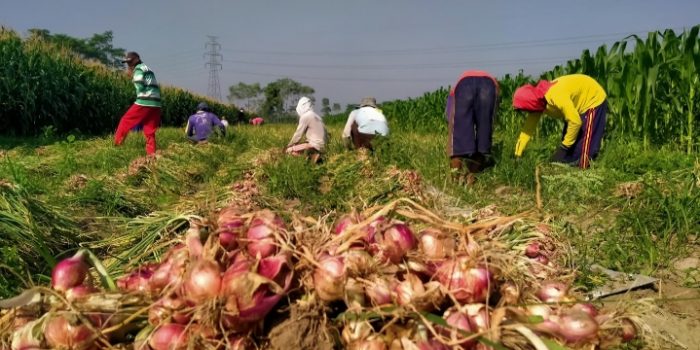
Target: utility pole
214, 65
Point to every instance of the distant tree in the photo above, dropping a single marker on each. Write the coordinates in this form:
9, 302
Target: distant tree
325, 106
281, 96
350, 107
336, 107
291, 91
249, 93
274, 103
98, 47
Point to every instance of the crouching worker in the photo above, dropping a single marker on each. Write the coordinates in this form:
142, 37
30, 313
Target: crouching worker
201, 124
311, 125
577, 99
470, 109
364, 124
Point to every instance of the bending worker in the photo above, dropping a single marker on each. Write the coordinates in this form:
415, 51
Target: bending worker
576, 98
364, 124
201, 124
471, 106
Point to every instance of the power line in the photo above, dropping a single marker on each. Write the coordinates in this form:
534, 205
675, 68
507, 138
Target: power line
403, 66
214, 90
562, 41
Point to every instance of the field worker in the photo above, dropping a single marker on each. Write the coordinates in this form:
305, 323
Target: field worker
146, 110
576, 98
257, 121
364, 124
201, 124
240, 116
311, 125
470, 109
224, 122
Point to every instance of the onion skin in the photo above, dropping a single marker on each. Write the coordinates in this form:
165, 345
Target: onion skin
478, 315
354, 294
533, 250
171, 271
231, 226
330, 278
435, 244
356, 331
368, 344
432, 345
169, 336
552, 292
358, 262
577, 327
138, 280
372, 230
629, 331
467, 284
458, 321
379, 292
542, 259
397, 240
69, 272
60, 333
408, 290
344, 222
261, 234
79, 292
203, 281
510, 293
28, 337
249, 293
590, 309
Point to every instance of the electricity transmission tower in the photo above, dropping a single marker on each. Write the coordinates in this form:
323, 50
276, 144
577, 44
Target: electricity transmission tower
214, 65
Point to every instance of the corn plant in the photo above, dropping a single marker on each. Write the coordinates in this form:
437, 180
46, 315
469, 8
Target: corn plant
42, 85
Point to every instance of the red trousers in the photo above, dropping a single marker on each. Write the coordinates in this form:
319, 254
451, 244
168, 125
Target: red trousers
148, 117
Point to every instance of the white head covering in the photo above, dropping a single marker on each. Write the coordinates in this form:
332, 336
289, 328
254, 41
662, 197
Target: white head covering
304, 106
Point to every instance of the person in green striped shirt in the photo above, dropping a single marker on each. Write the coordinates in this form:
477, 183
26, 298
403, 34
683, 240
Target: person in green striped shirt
146, 110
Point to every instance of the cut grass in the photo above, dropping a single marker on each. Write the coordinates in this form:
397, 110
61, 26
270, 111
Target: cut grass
642, 233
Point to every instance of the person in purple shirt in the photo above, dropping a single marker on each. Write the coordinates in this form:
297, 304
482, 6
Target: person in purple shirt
201, 124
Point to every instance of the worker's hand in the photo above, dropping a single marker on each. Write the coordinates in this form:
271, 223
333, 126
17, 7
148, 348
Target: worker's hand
347, 142
559, 155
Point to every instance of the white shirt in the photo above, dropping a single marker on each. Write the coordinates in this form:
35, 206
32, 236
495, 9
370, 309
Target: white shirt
369, 120
310, 124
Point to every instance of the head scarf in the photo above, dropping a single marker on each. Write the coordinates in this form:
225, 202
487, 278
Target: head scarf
304, 106
531, 98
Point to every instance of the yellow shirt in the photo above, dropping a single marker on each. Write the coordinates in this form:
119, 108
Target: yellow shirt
570, 96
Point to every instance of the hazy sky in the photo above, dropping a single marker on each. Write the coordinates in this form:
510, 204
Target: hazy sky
349, 49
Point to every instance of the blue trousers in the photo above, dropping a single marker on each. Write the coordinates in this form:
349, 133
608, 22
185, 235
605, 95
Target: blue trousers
471, 123
589, 138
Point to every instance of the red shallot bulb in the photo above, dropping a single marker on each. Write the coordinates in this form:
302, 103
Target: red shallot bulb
203, 281
330, 278
552, 291
65, 332
467, 284
577, 327
396, 242
69, 272
170, 336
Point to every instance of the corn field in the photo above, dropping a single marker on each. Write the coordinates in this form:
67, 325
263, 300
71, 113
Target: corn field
652, 86
45, 86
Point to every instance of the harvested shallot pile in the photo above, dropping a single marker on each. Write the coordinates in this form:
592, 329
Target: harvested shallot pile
391, 277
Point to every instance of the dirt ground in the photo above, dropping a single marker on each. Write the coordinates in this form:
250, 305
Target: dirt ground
677, 317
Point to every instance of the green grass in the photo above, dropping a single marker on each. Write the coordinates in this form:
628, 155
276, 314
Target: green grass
640, 234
